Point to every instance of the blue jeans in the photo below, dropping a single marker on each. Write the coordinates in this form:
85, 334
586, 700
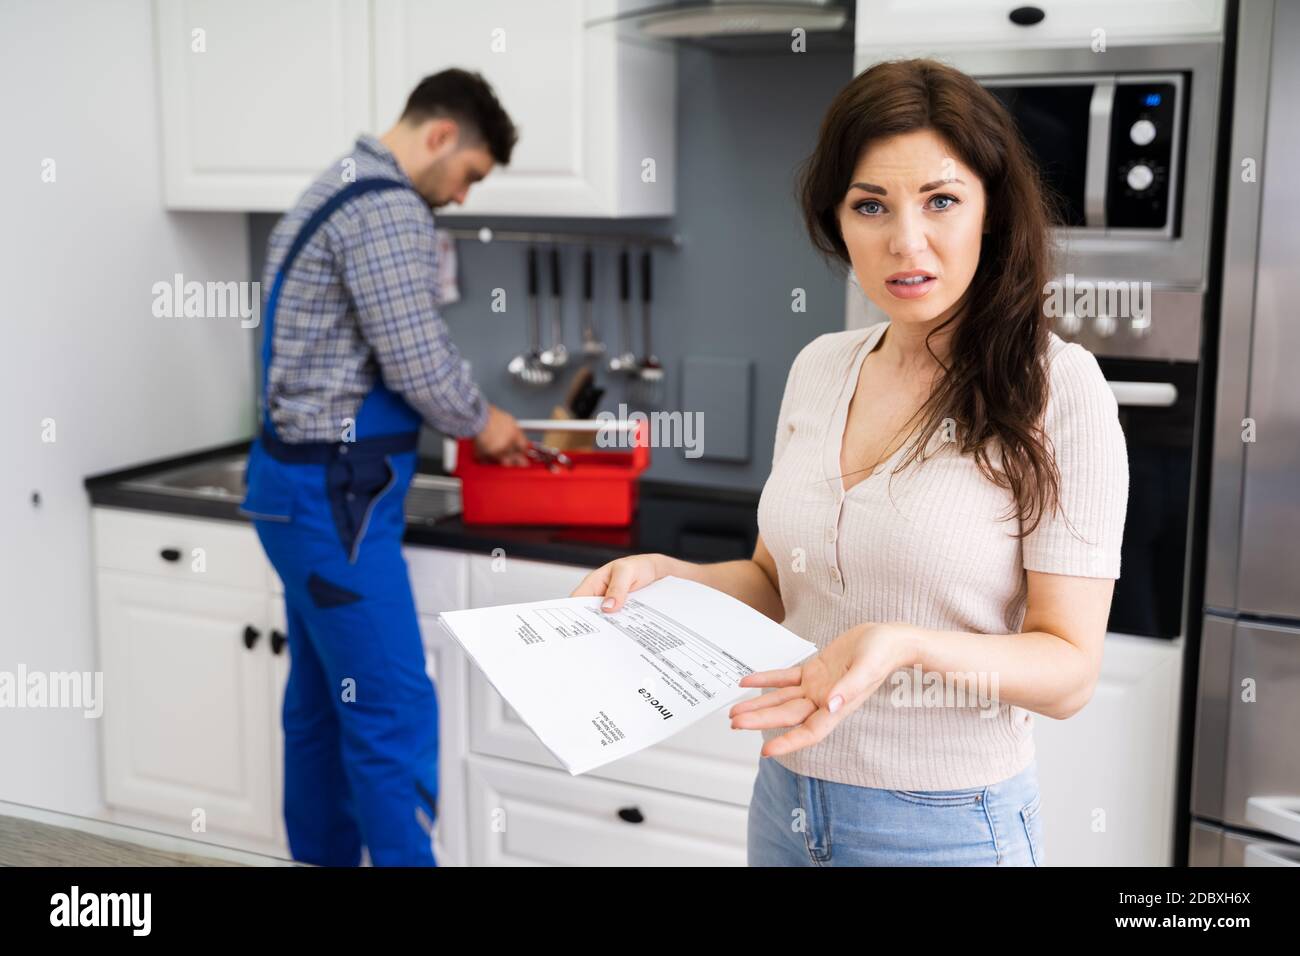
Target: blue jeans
802, 821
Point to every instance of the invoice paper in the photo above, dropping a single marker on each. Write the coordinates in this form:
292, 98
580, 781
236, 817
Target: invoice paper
596, 686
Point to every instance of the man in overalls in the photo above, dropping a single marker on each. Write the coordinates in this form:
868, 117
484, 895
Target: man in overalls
355, 359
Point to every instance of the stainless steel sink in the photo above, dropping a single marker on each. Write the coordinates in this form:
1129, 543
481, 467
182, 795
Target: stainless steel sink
431, 496
222, 478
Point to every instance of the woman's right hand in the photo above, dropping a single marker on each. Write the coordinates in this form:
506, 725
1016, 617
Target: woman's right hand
614, 580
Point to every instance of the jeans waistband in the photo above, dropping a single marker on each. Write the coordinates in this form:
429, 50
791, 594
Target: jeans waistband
324, 452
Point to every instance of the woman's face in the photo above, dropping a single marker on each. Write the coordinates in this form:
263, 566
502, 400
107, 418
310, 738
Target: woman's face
913, 212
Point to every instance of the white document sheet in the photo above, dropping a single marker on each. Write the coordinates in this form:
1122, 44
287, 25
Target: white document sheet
596, 686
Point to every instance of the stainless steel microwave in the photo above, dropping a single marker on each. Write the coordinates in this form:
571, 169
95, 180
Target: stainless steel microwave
1108, 145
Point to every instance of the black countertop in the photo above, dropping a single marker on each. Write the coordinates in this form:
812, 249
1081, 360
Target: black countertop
690, 522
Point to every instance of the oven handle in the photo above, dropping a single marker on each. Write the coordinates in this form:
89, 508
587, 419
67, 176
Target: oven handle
1145, 394
1097, 170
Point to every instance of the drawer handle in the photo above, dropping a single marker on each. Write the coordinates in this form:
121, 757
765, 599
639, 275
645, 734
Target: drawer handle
251, 634
278, 641
169, 554
631, 815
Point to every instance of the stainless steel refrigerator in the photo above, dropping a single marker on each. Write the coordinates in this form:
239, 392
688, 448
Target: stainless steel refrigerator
1245, 786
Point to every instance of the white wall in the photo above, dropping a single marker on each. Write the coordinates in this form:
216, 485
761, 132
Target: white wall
78, 258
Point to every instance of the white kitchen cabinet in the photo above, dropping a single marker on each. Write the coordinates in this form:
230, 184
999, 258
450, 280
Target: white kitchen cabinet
192, 715
708, 759
522, 815
1107, 774
594, 113
278, 644
181, 549
188, 723
257, 97
917, 25
502, 579
447, 668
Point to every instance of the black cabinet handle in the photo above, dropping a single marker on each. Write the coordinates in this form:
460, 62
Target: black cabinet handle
278, 641
631, 815
169, 554
1027, 16
251, 634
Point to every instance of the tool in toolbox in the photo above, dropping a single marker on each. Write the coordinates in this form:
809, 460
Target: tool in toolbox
594, 488
552, 458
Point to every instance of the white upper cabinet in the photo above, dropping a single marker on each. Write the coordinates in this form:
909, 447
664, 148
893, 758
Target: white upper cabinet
917, 25
257, 96
595, 114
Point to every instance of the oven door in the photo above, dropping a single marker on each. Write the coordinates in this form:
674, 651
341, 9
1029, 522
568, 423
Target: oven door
1157, 412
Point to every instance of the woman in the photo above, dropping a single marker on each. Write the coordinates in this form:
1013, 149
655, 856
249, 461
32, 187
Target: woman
969, 586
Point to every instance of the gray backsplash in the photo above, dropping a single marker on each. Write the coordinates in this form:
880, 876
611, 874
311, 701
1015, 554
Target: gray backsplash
745, 122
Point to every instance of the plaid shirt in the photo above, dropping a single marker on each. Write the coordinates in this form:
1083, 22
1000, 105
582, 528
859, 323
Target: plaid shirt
361, 302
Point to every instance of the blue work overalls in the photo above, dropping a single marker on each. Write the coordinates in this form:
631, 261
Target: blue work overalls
360, 712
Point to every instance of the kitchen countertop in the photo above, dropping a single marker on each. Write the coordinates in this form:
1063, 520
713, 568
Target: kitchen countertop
690, 522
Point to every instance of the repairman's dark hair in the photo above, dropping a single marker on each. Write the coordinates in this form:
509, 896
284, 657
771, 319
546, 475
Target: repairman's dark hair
468, 99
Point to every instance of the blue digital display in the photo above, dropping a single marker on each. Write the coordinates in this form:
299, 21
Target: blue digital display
1152, 99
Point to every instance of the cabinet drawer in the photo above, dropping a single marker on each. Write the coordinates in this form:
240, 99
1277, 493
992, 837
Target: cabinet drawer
211, 552
522, 815
708, 759
509, 580
439, 579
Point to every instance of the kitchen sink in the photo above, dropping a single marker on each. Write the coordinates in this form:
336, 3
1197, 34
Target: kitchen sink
223, 478
430, 498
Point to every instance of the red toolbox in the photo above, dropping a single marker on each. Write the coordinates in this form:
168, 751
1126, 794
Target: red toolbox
599, 488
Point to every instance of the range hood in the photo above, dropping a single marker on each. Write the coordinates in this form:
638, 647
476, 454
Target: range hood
737, 26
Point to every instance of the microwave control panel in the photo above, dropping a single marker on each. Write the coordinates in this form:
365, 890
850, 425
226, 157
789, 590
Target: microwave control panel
1143, 158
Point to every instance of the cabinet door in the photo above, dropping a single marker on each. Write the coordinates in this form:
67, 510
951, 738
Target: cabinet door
447, 668
257, 98
187, 721
277, 650
589, 108
921, 24
1107, 774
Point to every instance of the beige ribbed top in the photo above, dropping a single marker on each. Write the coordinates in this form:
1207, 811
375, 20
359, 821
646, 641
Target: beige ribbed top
933, 550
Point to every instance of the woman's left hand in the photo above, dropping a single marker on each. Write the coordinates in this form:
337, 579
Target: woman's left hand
819, 693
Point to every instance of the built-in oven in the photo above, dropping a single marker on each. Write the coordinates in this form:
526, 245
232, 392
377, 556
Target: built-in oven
1157, 411
1125, 140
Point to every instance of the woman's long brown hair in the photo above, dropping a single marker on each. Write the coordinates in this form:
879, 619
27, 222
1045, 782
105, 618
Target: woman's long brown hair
996, 386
